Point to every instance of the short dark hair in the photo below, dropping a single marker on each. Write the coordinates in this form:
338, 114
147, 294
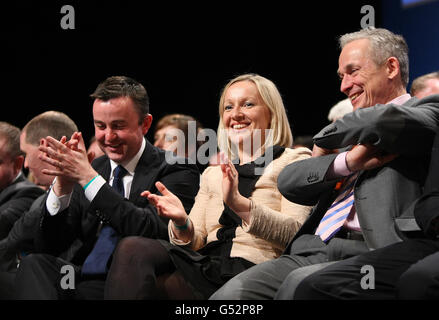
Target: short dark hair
12, 135
122, 86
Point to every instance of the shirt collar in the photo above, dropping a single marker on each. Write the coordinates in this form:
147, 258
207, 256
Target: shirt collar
400, 100
131, 165
20, 173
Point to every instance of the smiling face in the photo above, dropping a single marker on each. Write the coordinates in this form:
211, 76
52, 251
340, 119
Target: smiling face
117, 128
362, 80
244, 112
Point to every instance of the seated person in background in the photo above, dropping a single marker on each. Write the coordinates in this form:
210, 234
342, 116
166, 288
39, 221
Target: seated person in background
178, 133
19, 240
425, 85
336, 112
239, 218
91, 206
16, 193
93, 150
340, 109
360, 193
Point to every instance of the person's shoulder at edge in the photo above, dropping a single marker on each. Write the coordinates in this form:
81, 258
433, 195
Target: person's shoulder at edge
296, 154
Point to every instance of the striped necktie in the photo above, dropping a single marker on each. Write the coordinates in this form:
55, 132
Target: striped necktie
338, 212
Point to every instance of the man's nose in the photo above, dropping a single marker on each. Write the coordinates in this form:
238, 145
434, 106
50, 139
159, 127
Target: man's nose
346, 84
110, 135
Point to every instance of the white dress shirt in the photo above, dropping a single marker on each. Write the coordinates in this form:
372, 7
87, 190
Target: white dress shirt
340, 169
56, 204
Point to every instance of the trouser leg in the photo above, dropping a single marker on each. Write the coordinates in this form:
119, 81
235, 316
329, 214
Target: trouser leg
39, 278
289, 285
421, 280
372, 275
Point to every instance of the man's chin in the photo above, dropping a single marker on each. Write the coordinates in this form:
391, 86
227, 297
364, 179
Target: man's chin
116, 157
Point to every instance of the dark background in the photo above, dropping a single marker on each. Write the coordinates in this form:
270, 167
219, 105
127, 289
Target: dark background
184, 52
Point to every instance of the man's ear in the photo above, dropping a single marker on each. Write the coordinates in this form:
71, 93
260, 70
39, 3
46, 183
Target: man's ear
18, 164
43, 142
146, 124
392, 68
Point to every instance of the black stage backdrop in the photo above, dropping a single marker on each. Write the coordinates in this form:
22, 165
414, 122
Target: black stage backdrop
182, 51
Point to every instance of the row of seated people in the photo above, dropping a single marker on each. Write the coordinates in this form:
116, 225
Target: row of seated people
269, 222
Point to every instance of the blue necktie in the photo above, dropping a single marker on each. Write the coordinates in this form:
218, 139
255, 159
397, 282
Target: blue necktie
96, 262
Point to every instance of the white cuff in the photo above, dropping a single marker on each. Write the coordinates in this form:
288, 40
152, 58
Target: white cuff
55, 204
93, 188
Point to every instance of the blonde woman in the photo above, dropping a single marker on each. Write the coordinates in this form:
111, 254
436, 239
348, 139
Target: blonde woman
239, 218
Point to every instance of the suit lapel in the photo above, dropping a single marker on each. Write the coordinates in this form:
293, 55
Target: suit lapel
103, 167
145, 173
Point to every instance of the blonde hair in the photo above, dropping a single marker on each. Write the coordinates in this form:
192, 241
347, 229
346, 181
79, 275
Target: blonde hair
281, 132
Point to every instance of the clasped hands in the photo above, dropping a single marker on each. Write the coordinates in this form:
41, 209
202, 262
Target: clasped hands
69, 162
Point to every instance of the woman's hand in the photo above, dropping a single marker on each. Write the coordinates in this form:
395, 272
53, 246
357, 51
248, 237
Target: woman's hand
230, 181
231, 196
168, 205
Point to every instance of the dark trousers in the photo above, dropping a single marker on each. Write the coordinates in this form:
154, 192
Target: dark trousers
264, 280
45, 277
408, 269
7, 279
421, 280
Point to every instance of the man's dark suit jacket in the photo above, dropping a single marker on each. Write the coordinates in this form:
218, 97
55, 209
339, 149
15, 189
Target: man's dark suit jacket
15, 200
383, 195
20, 239
427, 207
71, 234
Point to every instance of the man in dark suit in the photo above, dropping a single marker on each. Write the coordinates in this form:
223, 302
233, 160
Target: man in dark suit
19, 240
404, 270
356, 193
16, 192
16, 196
87, 199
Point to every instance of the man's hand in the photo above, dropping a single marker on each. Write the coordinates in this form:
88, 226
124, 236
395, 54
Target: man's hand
367, 157
70, 162
318, 152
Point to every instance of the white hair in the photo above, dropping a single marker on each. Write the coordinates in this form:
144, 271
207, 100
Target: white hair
340, 109
384, 44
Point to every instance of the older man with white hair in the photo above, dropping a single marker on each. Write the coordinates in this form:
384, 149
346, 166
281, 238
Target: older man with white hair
365, 170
